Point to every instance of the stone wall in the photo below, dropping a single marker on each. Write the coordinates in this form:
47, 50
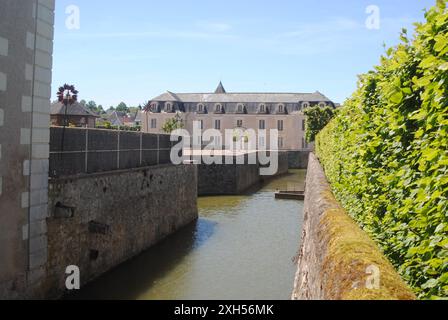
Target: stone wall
337, 260
234, 179
99, 221
26, 47
226, 179
283, 163
298, 159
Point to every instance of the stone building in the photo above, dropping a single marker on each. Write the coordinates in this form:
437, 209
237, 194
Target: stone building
73, 115
26, 47
224, 111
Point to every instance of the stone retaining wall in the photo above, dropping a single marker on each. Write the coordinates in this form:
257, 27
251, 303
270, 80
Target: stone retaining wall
337, 260
234, 179
298, 159
101, 220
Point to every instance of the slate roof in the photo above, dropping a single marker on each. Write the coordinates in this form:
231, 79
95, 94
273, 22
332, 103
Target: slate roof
220, 88
116, 118
244, 97
188, 102
139, 116
76, 109
221, 96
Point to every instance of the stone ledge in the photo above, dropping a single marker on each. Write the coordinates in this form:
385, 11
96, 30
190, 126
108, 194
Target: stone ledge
338, 260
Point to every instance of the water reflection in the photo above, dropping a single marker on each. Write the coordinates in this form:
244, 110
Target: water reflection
240, 248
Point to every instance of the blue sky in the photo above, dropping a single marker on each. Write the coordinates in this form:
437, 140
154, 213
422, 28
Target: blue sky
134, 50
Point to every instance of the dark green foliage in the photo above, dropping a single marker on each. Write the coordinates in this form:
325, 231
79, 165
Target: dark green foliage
386, 155
316, 119
108, 126
122, 107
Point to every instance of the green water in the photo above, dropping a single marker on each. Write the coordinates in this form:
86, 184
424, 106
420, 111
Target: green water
242, 247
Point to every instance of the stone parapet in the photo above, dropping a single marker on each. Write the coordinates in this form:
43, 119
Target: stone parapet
338, 260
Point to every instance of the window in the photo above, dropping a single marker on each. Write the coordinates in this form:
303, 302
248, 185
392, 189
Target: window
262, 108
153, 123
201, 124
281, 108
280, 125
305, 105
262, 142
218, 108
322, 105
168, 107
154, 107
217, 141
218, 124
200, 108
304, 144
240, 108
239, 123
262, 125
303, 125
280, 143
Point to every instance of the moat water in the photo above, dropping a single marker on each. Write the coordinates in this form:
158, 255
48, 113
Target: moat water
242, 247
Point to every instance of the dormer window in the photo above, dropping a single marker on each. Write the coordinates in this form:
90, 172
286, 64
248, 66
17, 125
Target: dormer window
218, 108
168, 107
281, 108
322, 104
262, 108
305, 105
240, 108
154, 107
201, 108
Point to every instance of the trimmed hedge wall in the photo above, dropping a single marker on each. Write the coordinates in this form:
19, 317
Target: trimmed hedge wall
386, 155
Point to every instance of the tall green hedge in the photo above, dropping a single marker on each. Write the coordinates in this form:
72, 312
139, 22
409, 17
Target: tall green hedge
386, 155
317, 118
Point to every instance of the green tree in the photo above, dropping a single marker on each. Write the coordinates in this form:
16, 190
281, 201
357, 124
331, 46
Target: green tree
101, 109
133, 110
91, 105
316, 119
122, 107
172, 124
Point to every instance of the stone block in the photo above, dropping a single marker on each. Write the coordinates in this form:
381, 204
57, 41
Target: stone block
4, 46
44, 29
3, 81
38, 259
38, 243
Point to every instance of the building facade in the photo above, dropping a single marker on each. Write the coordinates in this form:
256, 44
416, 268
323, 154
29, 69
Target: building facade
73, 115
232, 111
26, 47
